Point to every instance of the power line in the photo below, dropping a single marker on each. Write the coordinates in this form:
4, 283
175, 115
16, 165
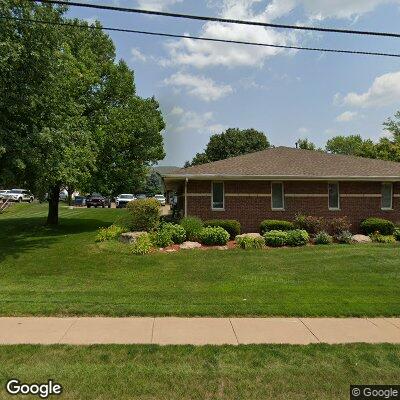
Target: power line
207, 39
216, 19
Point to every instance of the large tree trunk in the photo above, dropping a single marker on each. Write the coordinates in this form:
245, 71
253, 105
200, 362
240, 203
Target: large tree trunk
54, 198
70, 191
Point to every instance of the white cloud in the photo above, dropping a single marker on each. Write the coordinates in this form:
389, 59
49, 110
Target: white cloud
181, 120
199, 86
138, 55
385, 90
346, 116
303, 130
203, 54
156, 5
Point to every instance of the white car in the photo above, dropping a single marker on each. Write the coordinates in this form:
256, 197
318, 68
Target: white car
160, 198
19, 195
123, 199
3, 194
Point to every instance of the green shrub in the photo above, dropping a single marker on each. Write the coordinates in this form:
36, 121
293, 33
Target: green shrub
214, 236
397, 234
161, 238
142, 245
312, 225
372, 225
276, 238
232, 226
323, 238
379, 238
339, 225
248, 242
192, 227
297, 237
178, 234
275, 225
144, 214
112, 232
344, 237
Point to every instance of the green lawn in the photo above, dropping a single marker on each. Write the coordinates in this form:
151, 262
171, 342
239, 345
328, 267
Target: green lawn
64, 272
183, 372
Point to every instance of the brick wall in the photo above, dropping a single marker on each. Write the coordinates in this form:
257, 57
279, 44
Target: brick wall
243, 204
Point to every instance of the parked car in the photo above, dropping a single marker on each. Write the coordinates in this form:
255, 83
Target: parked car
160, 198
19, 195
97, 200
141, 196
3, 193
123, 199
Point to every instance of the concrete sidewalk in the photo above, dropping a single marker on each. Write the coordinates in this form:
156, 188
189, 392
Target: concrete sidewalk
198, 331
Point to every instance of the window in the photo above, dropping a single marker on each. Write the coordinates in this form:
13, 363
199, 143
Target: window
218, 196
333, 194
277, 200
387, 196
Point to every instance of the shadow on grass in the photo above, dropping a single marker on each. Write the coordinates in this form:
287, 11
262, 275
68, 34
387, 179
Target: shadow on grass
19, 235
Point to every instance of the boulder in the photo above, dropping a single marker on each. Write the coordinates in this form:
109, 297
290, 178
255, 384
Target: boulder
252, 235
130, 237
361, 239
190, 245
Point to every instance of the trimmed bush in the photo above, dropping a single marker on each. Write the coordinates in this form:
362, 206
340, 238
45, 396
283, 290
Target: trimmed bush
110, 233
276, 238
323, 238
397, 234
344, 237
232, 226
214, 236
249, 243
142, 245
312, 225
192, 227
161, 238
178, 233
339, 225
379, 238
372, 225
297, 237
144, 214
275, 225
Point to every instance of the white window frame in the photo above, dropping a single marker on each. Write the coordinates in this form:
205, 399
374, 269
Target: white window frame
283, 197
212, 196
391, 197
329, 206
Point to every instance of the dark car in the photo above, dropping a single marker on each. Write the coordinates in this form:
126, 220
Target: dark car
97, 200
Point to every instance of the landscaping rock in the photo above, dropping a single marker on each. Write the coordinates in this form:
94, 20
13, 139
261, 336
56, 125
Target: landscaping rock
252, 235
221, 248
361, 239
130, 237
190, 245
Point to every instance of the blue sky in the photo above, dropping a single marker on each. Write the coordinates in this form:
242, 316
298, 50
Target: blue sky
204, 88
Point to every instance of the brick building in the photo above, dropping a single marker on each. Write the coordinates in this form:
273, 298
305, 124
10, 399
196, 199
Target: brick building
281, 182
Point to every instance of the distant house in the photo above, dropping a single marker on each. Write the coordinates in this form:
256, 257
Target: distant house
280, 182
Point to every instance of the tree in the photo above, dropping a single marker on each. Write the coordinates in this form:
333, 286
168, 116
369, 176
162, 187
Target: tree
153, 184
231, 143
393, 127
306, 144
353, 145
69, 114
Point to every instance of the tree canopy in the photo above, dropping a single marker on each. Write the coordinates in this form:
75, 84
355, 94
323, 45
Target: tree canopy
231, 143
69, 113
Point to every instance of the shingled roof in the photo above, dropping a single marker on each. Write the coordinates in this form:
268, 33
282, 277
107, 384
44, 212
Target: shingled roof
286, 162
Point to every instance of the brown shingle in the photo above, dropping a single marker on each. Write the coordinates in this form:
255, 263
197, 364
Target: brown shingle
286, 162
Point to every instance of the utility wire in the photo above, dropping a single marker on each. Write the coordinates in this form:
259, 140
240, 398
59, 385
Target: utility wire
207, 39
215, 19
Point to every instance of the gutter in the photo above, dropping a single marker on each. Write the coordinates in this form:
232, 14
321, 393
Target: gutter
184, 177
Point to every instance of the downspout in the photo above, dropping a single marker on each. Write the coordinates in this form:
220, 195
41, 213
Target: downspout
186, 181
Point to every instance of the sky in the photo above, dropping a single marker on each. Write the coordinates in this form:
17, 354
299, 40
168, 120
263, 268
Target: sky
204, 88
